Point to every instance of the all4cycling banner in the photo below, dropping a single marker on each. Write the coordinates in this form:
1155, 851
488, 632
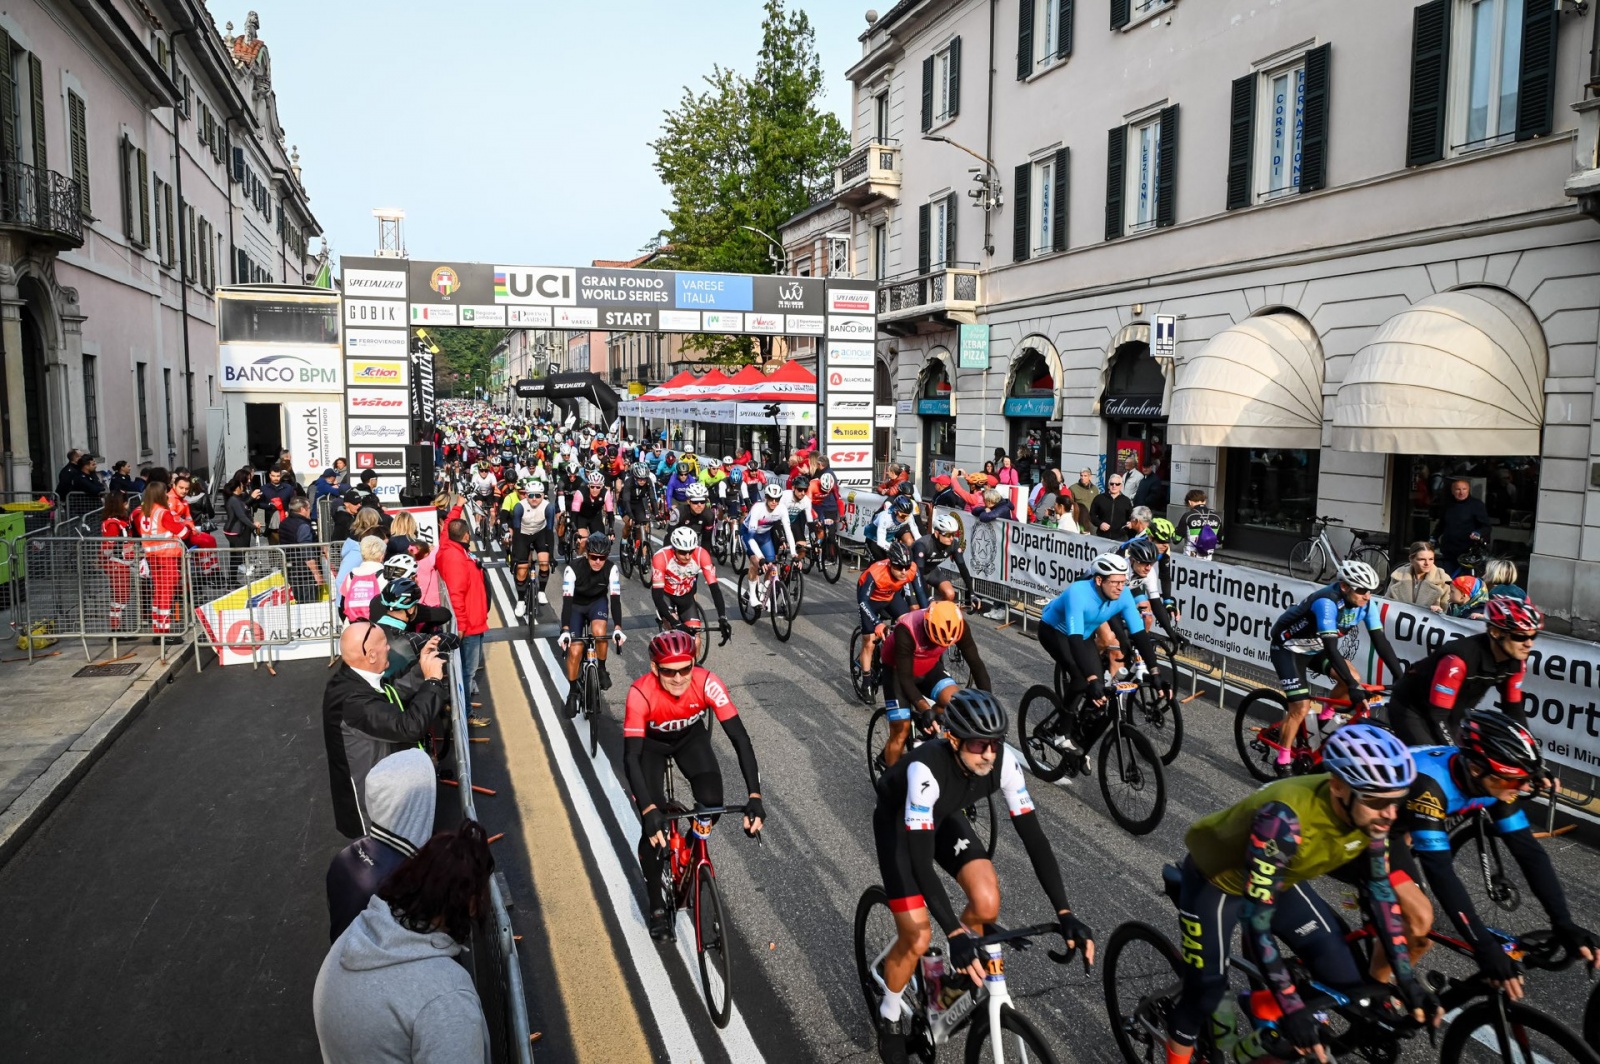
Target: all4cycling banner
1230, 609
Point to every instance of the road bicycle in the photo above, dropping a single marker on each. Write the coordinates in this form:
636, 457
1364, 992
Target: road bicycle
588, 685
726, 547
824, 553
1157, 713
1314, 558
982, 815
1259, 744
1132, 781
695, 628
634, 553
865, 683
773, 595
938, 1012
689, 881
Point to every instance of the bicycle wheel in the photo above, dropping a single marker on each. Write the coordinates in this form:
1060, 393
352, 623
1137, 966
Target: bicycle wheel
1305, 560
1376, 557
1161, 719
1591, 1018
1131, 781
875, 934
782, 611
711, 943
864, 684
1257, 741
1483, 871
1041, 722
956, 667
646, 572
832, 560
877, 739
985, 822
1019, 1041
1143, 975
747, 610
1528, 1036
625, 559
797, 589
591, 707
703, 636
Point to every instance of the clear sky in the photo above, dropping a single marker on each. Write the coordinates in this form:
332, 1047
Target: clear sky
508, 132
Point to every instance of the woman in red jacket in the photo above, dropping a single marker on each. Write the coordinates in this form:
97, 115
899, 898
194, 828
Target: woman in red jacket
116, 555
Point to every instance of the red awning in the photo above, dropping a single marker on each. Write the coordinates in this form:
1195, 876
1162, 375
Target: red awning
664, 389
789, 383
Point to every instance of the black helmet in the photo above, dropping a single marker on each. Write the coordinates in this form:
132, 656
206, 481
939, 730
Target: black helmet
903, 504
1498, 744
899, 556
974, 714
1140, 550
597, 545
799, 482
401, 594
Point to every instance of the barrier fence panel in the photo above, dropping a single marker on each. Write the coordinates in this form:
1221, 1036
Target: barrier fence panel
243, 603
38, 509
92, 588
76, 511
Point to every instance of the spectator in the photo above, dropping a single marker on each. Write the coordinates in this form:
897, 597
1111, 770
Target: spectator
1109, 513
400, 795
428, 574
364, 721
1042, 497
1060, 516
462, 574
178, 499
945, 495
1200, 527
1131, 476
367, 481
302, 553
972, 495
988, 471
1500, 578
238, 516
342, 468
117, 555
274, 501
391, 988
122, 479
1008, 472
1420, 582
996, 507
349, 506
1152, 491
1467, 596
1138, 521
897, 482
79, 478
403, 535
68, 471
1083, 494
365, 524
327, 484
164, 555
363, 583
1463, 523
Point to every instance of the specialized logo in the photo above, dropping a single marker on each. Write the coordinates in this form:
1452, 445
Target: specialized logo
961, 844
851, 300
445, 281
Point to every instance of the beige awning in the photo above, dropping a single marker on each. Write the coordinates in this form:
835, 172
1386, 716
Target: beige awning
1458, 373
1254, 384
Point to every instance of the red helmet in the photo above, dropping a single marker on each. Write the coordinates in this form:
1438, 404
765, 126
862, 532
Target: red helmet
672, 648
1513, 615
1500, 745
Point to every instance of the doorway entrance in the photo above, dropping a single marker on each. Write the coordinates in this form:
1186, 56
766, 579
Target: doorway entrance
35, 398
263, 434
1133, 407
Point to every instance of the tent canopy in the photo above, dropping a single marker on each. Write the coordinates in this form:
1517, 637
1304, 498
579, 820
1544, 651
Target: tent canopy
1254, 384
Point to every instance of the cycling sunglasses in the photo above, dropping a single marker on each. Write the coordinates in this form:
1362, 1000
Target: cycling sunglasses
979, 747
1520, 637
674, 674
1378, 803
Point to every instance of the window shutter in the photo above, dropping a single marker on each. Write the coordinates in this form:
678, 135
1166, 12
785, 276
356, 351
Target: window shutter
8, 103
1020, 203
1120, 13
1314, 135
924, 238
1241, 139
1058, 206
952, 201
36, 84
172, 241
125, 155
1536, 86
1024, 39
927, 94
1116, 151
955, 76
1430, 70
238, 165
1167, 169
142, 162
1064, 28
79, 137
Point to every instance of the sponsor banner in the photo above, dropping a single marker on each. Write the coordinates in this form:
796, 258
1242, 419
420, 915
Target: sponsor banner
860, 503
602, 287
974, 347
382, 460
852, 300
849, 456
381, 284
792, 295
548, 286
763, 323
374, 343
714, 291
852, 328
849, 379
482, 317
244, 636
722, 321
389, 488
390, 372
461, 283
788, 414
279, 368
885, 416
316, 436
804, 324
358, 312
576, 318
422, 393
905, 406
427, 522
854, 480
382, 402
849, 405
850, 432
678, 320
433, 314
529, 317
378, 430
848, 354
628, 320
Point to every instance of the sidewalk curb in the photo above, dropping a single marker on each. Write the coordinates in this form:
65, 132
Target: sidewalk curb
23, 817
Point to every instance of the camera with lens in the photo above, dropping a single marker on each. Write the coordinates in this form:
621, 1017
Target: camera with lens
448, 641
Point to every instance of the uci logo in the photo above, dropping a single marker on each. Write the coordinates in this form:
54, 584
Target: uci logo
543, 285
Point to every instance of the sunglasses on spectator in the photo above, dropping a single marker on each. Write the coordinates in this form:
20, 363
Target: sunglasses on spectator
1116, 483
979, 747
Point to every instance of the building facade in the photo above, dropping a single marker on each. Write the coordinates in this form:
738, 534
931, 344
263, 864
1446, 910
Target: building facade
121, 215
1356, 215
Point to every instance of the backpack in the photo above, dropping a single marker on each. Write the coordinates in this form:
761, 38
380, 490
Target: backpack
1207, 541
359, 591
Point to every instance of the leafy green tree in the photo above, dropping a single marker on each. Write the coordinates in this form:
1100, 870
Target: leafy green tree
465, 361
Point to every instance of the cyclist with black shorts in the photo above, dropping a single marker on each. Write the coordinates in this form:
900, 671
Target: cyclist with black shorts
920, 821
590, 509
675, 570
1148, 585
1437, 690
914, 679
533, 521
637, 500
591, 595
696, 513
1306, 636
881, 595
929, 552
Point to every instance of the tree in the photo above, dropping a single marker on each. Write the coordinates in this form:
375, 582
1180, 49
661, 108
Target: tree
746, 152
465, 360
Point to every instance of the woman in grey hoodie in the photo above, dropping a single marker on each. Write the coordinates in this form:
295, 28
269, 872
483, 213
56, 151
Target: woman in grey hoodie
390, 989
400, 793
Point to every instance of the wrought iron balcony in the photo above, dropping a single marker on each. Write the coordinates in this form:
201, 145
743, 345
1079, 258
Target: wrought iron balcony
944, 295
871, 174
42, 202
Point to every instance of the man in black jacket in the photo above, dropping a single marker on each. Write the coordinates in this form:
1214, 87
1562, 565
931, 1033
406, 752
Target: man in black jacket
1463, 523
1110, 511
364, 719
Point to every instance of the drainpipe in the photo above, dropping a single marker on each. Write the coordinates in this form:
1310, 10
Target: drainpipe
988, 131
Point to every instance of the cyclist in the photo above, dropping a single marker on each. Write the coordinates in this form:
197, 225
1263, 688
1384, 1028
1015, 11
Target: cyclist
824, 492
894, 522
483, 484
712, 474
674, 570
636, 503
533, 519
696, 513
914, 679
591, 595
919, 821
932, 549
1454, 678
798, 501
1164, 534
668, 719
1307, 635
678, 484
591, 509
1150, 585
881, 596
1495, 761
764, 516
1252, 864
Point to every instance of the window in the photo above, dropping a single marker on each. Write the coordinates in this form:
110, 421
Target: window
1143, 189
936, 233
1125, 11
1490, 46
941, 85
880, 251
1044, 34
41, 157
1044, 183
78, 134
203, 234
880, 117
166, 395
940, 232
1268, 495
1278, 138
1142, 174
1284, 114
161, 243
91, 405
135, 194
188, 98
139, 369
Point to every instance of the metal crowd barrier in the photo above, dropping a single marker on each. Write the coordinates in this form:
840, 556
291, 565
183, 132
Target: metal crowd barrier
77, 510
243, 602
38, 509
92, 588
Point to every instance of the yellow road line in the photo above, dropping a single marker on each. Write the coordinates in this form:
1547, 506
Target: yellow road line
604, 1024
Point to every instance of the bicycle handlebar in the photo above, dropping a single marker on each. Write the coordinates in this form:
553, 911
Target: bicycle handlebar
1019, 936
1331, 520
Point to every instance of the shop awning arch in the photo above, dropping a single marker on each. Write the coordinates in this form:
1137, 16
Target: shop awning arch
938, 369
1460, 372
1257, 383
1030, 400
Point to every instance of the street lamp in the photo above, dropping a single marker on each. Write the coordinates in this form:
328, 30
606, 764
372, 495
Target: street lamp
988, 196
779, 260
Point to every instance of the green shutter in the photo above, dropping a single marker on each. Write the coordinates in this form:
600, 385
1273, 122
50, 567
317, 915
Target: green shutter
952, 201
41, 157
172, 241
1121, 14
1024, 38
79, 137
8, 101
1167, 170
924, 239
1058, 207
1241, 141
1064, 28
141, 161
1314, 134
1430, 71
125, 156
1536, 83
927, 94
955, 76
1116, 179
1020, 203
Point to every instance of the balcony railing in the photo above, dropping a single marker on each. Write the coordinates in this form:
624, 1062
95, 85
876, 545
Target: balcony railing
950, 290
868, 174
41, 201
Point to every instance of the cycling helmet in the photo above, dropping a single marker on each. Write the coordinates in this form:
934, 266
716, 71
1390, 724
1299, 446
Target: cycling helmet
736, 474
672, 647
698, 493
1513, 615
827, 480
596, 479
902, 505
713, 464
899, 556
1498, 744
536, 487
1109, 565
727, 459
597, 545
1140, 550
947, 524
944, 623
799, 482
1163, 531
641, 471
401, 594
400, 567
974, 714
688, 451
1358, 576
683, 469
1369, 758
685, 538
773, 490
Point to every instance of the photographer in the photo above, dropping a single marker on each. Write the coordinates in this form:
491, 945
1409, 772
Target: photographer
398, 612
365, 719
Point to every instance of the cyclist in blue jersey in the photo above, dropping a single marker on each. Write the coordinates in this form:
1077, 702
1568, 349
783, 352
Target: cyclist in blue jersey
1307, 635
896, 522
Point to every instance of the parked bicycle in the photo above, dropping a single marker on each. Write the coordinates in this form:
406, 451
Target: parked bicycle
1315, 558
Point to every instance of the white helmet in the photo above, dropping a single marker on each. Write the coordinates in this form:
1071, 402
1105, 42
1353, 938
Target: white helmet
773, 490
713, 464
727, 459
697, 493
1110, 565
1358, 576
827, 480
400, 567
946, 524
536, 488
685, 538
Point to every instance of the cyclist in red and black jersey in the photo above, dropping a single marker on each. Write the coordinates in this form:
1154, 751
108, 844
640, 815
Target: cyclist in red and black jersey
882, 595
1435, 692
667, 720
674, 571
913, 666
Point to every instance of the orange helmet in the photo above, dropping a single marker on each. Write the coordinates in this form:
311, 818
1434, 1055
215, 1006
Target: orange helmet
945, 623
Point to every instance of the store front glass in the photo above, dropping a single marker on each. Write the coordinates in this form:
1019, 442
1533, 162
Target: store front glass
1034, 443
938, 424
1136, 419
1508, 487
1268, 497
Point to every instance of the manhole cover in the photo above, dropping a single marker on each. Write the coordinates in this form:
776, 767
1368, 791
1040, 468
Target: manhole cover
121, 668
